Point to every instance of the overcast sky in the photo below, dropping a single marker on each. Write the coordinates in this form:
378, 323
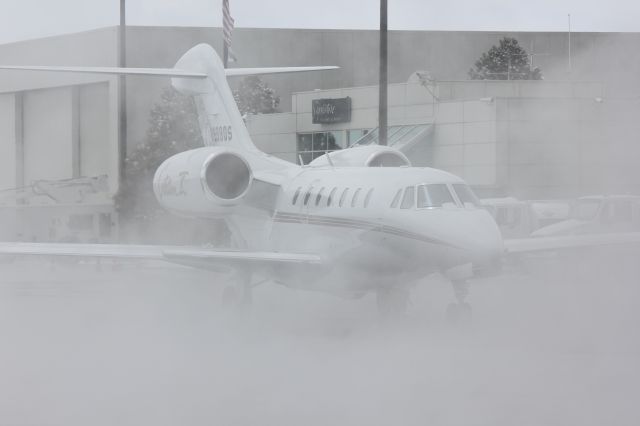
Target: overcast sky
27, 19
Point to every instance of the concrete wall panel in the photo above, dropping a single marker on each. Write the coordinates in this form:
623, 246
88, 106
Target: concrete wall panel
93, 111
480, 175
361, 97
271, 123
449, 112
7, 141
498, 89
545, 89
422, 112
480, 154
480, 132
448, 155
479, 111
449, 134
396, 95
418, 94
48, 134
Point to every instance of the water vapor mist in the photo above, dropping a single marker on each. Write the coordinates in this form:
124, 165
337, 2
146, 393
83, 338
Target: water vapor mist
141, 346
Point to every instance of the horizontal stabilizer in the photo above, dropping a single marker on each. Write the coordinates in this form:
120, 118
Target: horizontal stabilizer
233, 72
157, 72
164, 72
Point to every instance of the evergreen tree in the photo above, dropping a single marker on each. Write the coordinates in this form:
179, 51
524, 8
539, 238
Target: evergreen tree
173, 128
253, 96
508, 61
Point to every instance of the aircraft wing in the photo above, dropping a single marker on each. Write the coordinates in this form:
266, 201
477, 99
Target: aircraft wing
539, 244
192, 256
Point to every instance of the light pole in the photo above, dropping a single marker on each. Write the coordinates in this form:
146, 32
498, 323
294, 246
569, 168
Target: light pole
382, 95
569, 44
122, 95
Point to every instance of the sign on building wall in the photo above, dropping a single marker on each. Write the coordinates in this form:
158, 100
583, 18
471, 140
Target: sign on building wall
328, 111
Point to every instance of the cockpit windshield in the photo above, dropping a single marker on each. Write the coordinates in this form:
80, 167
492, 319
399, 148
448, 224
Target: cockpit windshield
466, 195
585, 209
434, 195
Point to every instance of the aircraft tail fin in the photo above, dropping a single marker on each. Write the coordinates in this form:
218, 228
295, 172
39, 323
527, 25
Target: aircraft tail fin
220, 120
218, 115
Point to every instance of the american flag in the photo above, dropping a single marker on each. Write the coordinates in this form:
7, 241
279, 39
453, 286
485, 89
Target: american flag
227, 28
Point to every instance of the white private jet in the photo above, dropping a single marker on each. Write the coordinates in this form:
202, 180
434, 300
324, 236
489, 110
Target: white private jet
352, 222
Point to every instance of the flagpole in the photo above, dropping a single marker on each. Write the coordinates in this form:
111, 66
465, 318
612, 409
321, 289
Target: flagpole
227, 27
122, 95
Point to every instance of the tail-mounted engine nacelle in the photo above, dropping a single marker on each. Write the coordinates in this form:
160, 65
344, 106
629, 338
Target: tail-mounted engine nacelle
363, 156
203, 181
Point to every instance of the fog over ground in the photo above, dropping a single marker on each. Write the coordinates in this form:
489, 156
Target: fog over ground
554, 342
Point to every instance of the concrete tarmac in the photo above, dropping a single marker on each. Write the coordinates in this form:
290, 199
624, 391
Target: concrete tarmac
555, 342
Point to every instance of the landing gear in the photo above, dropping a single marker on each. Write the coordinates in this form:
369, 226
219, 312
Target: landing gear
240, 294
459, 313
392, 300
229, 297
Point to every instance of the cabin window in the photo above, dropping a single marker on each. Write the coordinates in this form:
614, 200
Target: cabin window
396, 199
466, 195
434, 195
354, 200
343, 196
330, 198
368, 198
408, 199
308, 195
296, 195
319, 196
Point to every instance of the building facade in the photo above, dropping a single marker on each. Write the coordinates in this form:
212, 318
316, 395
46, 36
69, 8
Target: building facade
528, 139
574, 133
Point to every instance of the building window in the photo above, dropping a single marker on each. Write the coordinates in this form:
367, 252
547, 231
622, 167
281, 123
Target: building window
354, 135
313, 145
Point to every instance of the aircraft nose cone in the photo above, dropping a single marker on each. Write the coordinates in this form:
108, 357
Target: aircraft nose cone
484, 241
